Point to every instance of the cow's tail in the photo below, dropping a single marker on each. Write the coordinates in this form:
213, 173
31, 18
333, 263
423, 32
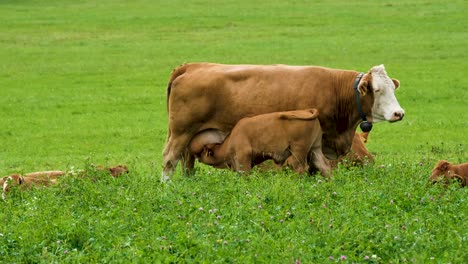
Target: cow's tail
175, 73
308, 114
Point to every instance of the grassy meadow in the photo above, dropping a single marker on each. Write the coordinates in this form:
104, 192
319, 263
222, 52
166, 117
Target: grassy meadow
84, 82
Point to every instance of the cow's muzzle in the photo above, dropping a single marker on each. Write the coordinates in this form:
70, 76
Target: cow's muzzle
397, 116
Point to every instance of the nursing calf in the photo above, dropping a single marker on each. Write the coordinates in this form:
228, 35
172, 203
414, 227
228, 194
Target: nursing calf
447, 170
291, 138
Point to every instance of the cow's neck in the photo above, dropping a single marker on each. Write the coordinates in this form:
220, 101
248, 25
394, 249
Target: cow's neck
342, 123
365, 125
348, 115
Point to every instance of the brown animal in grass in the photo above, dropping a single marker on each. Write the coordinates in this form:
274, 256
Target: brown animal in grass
36, 179
446, 170
289, 138
40, 174
118, 170
47, 178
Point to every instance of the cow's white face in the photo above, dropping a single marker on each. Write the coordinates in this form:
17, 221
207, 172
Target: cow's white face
386, 106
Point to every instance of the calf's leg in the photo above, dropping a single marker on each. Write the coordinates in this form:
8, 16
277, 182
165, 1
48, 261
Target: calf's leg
242, 161
298, 159
318, 160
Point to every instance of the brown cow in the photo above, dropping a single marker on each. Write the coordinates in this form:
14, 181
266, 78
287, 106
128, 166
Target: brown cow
447, 170
289, 138
202, 96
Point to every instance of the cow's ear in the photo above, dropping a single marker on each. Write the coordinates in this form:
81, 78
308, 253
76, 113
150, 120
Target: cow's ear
365, 84
396, 83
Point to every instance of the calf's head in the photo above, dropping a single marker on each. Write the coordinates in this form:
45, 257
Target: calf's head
386, 106
446, 170
118, 170
442, 168
11, 180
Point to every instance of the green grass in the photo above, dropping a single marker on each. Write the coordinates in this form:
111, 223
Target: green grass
84, 82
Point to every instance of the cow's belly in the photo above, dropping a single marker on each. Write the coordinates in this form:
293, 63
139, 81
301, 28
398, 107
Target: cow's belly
239, 101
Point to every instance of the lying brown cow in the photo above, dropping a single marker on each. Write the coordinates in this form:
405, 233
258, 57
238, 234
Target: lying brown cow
359, 155
447, 170
47, 178
289, 138
207, 96
37, 179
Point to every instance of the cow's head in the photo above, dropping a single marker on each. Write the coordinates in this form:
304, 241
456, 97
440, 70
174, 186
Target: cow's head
386, 106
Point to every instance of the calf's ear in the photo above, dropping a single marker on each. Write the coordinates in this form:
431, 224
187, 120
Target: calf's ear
396, 83
444, 165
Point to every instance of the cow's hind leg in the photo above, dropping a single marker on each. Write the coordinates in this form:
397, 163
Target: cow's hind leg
173, 152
